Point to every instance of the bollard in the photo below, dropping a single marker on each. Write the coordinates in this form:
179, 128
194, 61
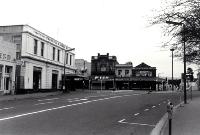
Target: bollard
170, 112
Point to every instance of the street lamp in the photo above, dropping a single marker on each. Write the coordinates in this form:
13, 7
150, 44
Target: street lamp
184, 57
64, 78
172, 49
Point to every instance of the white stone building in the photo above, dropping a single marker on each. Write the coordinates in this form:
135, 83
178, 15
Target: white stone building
40, 58
7, 67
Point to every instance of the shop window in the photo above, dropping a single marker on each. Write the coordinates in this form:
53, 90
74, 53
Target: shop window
67, 55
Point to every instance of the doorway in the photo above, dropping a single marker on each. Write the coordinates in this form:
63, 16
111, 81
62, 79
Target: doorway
54, 79
37, 78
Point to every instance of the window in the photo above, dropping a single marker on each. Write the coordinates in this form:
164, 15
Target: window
42, 48
70, 60
1, 70
119, 72
18, 55
54, 50
126, 72
58, 55
67, 55
8, 69
18, 46
35, 46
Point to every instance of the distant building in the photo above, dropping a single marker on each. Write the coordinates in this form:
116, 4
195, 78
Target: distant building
103, 71
123, 74
40, 57
7, 66
144, 77
83, 67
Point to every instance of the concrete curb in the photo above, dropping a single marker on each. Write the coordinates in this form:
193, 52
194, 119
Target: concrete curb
161, 125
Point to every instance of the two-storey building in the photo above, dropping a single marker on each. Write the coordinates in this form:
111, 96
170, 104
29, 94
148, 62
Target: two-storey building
40, 57
143, 77
103, 71
7, 67
123, 74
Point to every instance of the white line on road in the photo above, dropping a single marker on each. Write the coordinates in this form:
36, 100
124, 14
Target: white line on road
141, 124
44, 103
153, 106
136, 114
146, 110
60, 107
158, 104
47, 99
7, 108
78, 100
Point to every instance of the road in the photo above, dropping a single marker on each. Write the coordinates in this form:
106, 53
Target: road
103, 113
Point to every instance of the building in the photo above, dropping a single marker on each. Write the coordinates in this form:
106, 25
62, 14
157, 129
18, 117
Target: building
83, 67
123, 74
7, 67
143, 77
41, 59
103, 71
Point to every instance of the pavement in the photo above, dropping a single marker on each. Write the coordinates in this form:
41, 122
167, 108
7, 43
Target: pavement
185, 120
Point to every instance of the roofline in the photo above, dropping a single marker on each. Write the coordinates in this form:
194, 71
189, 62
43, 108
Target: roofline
36, 30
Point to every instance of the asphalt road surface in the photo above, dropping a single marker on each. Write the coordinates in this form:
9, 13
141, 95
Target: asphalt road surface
103, 113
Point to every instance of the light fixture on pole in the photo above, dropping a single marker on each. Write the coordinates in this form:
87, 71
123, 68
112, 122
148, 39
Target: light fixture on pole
64, 77
184, 57
172, 49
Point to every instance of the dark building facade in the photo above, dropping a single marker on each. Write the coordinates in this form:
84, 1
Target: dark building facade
103, 71
143, 77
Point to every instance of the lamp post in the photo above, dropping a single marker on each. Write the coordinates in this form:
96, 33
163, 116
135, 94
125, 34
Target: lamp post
64, 78
184, 57
172, 69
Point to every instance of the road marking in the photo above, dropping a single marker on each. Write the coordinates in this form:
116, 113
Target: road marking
146, 110
47, 99
44, 103
141, 124
60, 107
78, 100
7, 108
153, 106
158, 104
136, 114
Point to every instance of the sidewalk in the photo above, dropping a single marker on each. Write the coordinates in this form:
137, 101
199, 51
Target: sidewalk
28, 96
186, 119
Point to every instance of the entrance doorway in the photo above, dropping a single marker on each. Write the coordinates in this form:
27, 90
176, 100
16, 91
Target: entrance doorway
37, 78
7, 83
54, 79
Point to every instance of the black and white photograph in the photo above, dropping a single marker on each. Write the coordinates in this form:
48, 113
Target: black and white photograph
99, 67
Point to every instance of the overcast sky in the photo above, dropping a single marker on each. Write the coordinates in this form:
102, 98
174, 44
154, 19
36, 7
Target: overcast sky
117, 27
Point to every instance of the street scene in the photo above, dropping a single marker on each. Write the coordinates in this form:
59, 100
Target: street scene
106, 67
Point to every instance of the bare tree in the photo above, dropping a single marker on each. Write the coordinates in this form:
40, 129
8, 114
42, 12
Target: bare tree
185, 12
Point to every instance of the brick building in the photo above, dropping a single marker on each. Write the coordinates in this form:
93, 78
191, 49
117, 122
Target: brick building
103, 71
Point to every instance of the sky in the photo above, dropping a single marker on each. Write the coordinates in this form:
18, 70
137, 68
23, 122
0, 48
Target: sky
117, 27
